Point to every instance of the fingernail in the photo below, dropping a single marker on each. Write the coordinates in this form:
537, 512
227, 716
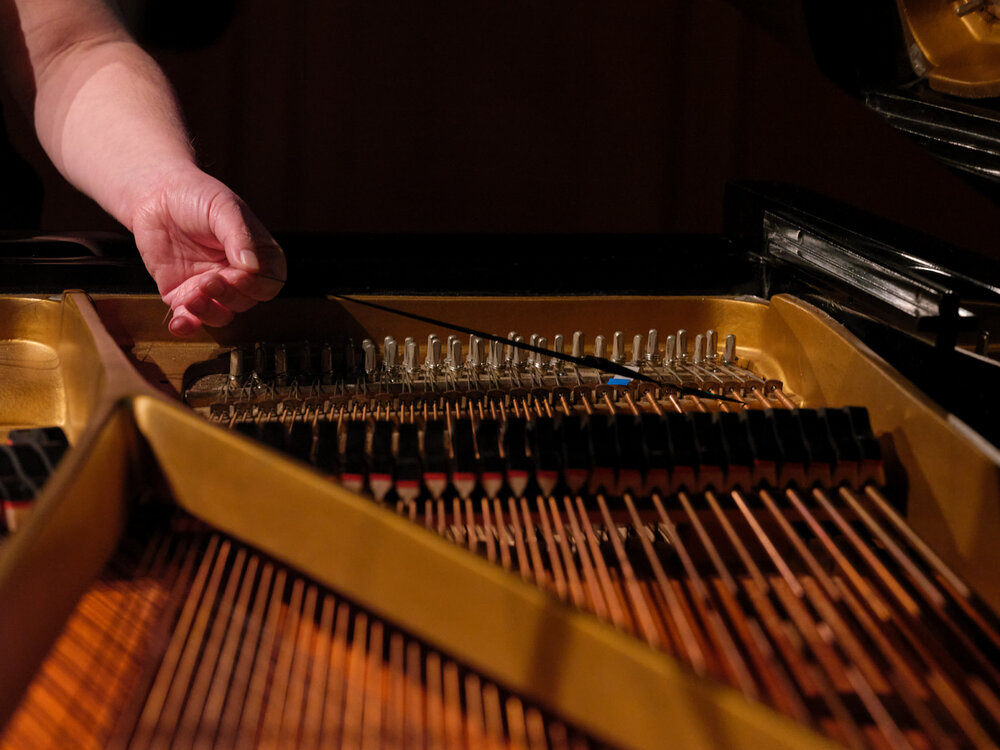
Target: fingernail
214, 287
249, 259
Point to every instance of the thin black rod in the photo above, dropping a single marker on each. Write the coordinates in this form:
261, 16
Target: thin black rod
588, 360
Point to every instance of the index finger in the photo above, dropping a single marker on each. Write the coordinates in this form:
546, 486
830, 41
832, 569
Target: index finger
249, 247
256, 286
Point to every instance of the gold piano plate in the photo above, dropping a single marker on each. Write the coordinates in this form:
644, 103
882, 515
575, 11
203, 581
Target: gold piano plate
955, 44
33, 390
122, 378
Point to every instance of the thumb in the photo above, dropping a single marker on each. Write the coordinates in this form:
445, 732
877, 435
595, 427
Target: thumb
248, 245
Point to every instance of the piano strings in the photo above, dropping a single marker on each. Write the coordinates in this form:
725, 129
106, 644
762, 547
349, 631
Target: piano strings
766, 553
760, 543
193, 640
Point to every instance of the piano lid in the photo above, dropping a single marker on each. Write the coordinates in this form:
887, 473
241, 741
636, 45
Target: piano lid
929, 68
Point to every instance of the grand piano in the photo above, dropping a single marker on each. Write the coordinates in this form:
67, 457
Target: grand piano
738, 490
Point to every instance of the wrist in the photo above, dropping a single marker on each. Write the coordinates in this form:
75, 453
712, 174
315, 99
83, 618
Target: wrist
146, 188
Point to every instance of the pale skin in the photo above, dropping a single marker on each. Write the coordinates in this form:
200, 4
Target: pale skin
107, 118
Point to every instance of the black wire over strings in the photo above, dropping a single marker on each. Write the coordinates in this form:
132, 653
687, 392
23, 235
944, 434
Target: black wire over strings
588, 360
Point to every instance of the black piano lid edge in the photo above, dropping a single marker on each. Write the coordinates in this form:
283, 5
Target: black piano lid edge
515, 264
964, 286
444, 264
746, 202
959, 381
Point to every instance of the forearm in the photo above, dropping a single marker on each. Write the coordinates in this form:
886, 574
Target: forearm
107, 118
103, 111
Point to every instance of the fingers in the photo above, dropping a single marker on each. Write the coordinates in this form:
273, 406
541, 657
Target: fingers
253, 286
249, 248
183, 324
209, 312
213, 301
226, 294
211, 258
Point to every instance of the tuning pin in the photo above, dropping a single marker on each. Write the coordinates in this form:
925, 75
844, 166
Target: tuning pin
697, 357
600, 347
305, 358
350, 356
729, 353
368, 348
711, 345
542, 342
258, 359
636, 349
682, 344
559, 347
539, 360
671, 353
235, 366
454, 352
652, 345
430, 348
433, 352
618, 347
578, 344
280, 365
517, 355
326, 362
509, 349
390, 353
475, 351
411, 353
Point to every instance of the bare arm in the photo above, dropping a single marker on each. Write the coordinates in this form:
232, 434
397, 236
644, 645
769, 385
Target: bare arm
106, 116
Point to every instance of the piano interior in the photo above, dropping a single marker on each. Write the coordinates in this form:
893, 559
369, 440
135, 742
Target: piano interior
333, 524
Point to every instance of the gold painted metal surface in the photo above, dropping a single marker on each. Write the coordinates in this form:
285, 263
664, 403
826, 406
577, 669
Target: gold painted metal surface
31, 376
959, 54
48, 564
31, 385
77, 518
137, 323
953, 482
818, 360
53, 370
598, 678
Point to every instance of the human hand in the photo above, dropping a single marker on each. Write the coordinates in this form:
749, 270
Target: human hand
209, 255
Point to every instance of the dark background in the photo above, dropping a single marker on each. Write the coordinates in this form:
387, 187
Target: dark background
517, 116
